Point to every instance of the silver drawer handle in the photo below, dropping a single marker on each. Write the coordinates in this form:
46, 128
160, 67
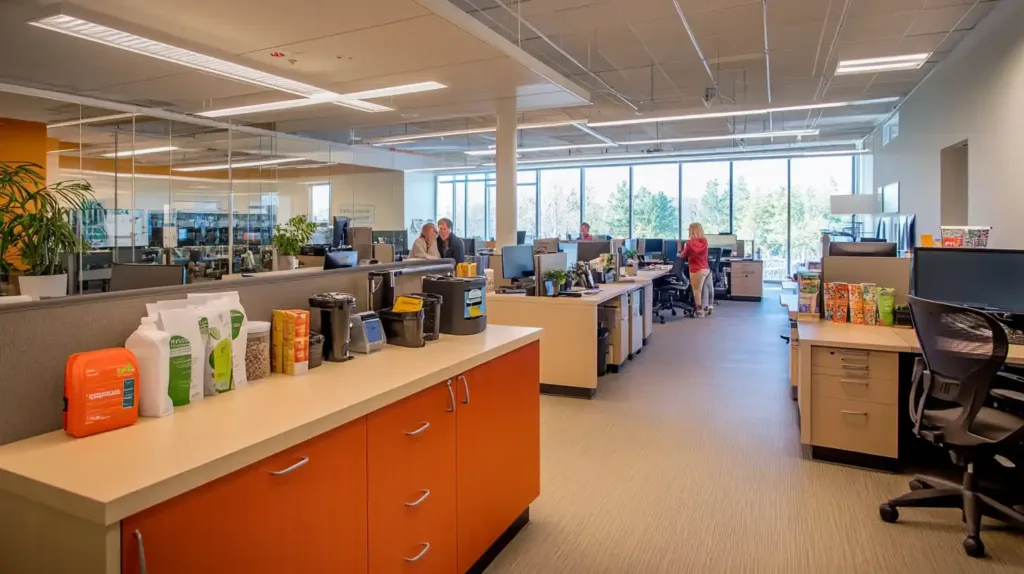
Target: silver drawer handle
142, 552
426, 546
858, 413
426, 493
301, 463
419, 430
451, 394
465, 385
853, 352
855, 381
855, 367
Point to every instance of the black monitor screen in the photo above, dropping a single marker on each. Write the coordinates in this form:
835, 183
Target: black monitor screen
590, 250
341, 259
517, 262
974, 277
520, 237
851, 249
653, 245
340, 231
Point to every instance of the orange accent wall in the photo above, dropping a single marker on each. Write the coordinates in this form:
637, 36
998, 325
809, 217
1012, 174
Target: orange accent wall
23, 141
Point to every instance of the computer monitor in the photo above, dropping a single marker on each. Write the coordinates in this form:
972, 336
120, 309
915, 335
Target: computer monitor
340, 231
341, 259
851, 249
590, 250
652, 246
983, 278
520, 238
572, 252
871, 240
517, 262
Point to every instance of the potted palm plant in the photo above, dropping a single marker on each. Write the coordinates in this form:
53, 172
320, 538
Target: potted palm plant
557, 278
36, 229
289, 239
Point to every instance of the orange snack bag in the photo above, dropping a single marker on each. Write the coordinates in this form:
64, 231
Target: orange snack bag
290, 341
100, 391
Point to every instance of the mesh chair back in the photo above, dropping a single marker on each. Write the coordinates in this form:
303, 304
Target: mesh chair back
963, 350
677, 268
714, 257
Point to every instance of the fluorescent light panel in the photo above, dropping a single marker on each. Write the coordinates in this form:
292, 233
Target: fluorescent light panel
684, 155
240, 164
885, 64
492, 151
116, 38
756, 135
144, 151
97, 119
395, 91
469, 131
736, 113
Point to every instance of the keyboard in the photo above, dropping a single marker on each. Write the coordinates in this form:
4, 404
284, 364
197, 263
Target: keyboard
504, 291
1015, 336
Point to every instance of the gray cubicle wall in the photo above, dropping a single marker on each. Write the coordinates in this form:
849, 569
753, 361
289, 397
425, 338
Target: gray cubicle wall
36, 338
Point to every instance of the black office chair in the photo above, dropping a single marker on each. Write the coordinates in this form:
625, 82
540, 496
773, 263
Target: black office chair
673, 292
964, 350
715, 264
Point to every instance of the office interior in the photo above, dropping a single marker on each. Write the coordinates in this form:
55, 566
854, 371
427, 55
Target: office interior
599, 419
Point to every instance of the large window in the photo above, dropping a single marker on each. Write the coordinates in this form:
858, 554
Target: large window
559, 202
656, 201
476, 214
320, 203
760, 211
706, 188
445, 197
606, 200
813, 180
526, 203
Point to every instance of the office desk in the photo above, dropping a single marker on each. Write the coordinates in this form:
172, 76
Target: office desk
854, 384
746, 278
569, 337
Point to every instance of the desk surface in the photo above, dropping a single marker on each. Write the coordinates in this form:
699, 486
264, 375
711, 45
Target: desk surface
791, 302
893, 339
606, 292
110, 476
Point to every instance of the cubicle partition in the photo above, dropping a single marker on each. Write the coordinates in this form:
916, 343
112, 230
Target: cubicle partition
37, 337
882, 271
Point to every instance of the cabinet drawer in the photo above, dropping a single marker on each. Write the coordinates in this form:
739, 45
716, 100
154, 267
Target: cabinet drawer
412, 480
837, 361
855, 426
855, 386
746, 267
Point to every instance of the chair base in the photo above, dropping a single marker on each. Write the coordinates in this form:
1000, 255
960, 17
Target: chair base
933, 492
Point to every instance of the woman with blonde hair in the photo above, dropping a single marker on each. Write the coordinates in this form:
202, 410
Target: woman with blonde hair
696, 253
425, 246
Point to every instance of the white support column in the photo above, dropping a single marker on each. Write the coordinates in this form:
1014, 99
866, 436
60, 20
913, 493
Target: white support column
506, 173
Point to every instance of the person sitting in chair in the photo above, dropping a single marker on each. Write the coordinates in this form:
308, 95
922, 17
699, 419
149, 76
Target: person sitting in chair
585, 232
448, 244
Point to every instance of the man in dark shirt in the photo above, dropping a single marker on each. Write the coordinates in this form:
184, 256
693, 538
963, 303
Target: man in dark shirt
448, 244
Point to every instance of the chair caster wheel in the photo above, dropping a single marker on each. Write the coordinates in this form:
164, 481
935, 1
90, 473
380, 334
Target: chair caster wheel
974, 547
917, 485
673, 313
888, 512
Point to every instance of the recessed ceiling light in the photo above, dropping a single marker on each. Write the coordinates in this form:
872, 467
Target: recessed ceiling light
755, 135
126, 41
395, 91
94, 120
493, 151
144, 151
736, 113
468, 131
240, 164
886, 64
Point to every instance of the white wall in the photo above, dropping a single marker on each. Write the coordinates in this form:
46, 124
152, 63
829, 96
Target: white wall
420, 201
976, 94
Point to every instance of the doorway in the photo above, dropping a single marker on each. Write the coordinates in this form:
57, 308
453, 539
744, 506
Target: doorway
953, 194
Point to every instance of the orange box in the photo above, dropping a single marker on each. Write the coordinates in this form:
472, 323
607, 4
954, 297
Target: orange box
290, 341
100, 391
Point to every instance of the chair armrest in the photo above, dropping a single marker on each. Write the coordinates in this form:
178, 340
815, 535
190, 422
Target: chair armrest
1011, 376
1008, 395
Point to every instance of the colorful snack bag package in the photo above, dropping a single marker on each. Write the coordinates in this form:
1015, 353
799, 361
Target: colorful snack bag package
856, 304
870, 303
886, 302
830, 300
842, 303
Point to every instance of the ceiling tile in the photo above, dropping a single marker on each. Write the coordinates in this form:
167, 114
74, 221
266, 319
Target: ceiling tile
936, 20
877, 25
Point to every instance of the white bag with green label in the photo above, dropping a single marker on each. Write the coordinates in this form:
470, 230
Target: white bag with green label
187, 349
239, 329
215, 323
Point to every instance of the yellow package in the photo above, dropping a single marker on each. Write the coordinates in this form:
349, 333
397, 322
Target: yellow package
290, 343
465, 270
407, 304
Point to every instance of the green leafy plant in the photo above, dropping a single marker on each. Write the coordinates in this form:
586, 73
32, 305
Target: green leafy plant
290, 237
558, 276
36, 227
631, 254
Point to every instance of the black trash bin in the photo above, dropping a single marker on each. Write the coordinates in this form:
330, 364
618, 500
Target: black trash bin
603, 336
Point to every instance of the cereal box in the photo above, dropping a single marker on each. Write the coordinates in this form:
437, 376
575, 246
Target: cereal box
856, 304
290, 347
870, 303
842, 303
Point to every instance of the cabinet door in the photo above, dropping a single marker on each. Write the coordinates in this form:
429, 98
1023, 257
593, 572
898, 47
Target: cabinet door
498, 448
411, 450
301, 510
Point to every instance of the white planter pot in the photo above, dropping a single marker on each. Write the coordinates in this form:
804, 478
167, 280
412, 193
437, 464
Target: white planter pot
287, 262
37, 286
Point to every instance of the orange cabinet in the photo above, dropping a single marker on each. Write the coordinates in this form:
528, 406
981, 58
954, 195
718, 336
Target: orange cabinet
498, 445
411, 449
301, 510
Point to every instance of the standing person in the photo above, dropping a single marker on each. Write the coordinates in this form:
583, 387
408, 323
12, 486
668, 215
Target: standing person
696, 253
425, 246
585, 232
449, 245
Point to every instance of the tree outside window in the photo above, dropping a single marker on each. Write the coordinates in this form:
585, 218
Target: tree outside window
559, 202
656, 201
606, 201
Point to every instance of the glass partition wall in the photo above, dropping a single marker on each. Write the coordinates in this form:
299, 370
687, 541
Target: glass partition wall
781, 205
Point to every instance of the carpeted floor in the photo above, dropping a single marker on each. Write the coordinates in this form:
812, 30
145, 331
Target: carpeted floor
689, 461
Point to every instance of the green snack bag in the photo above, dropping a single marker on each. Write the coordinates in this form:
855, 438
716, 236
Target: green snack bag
886, 302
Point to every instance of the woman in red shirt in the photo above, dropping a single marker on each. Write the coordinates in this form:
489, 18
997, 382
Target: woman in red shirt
696, 253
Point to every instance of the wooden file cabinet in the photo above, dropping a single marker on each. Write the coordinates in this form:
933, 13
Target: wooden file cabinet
747, 280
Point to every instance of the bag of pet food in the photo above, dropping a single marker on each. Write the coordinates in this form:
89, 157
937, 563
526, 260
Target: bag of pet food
870, 303
239, 329
886, 302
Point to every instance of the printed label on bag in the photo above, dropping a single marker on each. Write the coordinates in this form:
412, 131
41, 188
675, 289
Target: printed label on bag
128, 395
179, 385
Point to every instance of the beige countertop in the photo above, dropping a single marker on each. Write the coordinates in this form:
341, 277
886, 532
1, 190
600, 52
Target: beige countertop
791, 302
607, 291
107, 477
